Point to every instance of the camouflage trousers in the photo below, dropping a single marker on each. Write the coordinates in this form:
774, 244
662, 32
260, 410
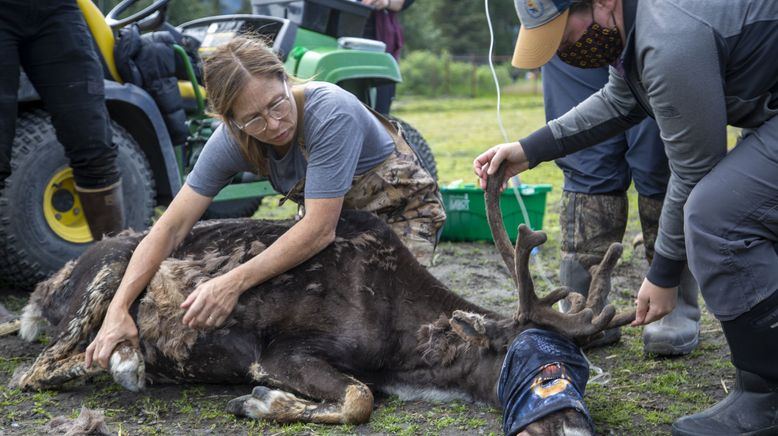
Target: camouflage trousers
590, 224
402, 193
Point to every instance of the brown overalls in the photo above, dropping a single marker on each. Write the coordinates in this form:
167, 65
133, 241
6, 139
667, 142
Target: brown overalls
399, 190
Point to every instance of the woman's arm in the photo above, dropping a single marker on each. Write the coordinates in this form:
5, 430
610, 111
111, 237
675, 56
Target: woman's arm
213, 301
185, 209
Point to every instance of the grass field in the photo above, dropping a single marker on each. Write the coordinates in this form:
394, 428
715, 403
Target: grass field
458, 130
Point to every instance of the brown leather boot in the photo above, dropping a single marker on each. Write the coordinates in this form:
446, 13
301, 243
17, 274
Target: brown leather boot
104, 209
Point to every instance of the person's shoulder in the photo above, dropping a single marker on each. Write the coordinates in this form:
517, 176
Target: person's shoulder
328, 94
326, 101
657, 16
221, 138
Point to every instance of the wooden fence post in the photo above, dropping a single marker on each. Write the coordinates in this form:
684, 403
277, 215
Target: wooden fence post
473, 78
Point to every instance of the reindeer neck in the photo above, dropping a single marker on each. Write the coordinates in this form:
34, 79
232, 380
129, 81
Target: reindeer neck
428, 298
471, 374
426, 306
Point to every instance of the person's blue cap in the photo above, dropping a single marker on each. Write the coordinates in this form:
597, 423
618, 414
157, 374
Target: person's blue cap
542, 25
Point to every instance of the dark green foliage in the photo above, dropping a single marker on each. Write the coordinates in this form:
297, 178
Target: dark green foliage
430, 75
460, 27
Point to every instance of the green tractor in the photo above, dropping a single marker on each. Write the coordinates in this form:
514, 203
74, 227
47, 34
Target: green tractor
42, 225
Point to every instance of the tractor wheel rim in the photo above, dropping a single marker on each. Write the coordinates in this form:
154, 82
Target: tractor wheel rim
62, 208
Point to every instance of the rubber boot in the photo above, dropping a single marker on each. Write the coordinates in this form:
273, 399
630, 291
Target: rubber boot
104, 209
678, 332
751, 408
589, 225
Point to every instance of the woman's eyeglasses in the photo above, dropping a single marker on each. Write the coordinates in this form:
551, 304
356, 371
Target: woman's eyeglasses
277, 112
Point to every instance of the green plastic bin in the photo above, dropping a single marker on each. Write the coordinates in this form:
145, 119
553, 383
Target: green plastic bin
466, 211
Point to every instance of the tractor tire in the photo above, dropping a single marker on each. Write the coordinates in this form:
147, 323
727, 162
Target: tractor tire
241, 208
41, 223
420, 146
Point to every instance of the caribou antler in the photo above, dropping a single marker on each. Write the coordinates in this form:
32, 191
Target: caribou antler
494, 217
585, 319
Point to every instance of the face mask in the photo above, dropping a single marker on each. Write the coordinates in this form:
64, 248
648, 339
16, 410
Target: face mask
597, 47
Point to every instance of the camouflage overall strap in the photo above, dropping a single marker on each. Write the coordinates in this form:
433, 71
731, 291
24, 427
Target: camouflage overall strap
298, 92
394, 130
299, 98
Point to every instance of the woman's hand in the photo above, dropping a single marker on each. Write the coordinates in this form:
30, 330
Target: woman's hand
653, 303
118, 326
211, 303
377, 4
487, 163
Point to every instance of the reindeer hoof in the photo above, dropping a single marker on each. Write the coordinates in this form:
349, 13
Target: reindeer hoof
128, 368
263, 403
17, 379
260, 392
255, 405
236, 406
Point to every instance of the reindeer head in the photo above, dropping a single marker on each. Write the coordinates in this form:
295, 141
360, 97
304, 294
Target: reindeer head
587, 318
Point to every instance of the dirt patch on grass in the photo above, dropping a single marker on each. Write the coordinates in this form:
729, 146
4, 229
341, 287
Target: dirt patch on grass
643, 396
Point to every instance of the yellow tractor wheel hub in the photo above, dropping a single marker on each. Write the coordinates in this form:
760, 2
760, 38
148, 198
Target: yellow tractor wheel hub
62, 208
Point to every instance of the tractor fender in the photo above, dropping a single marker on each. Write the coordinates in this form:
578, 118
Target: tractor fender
135, 110
337, 65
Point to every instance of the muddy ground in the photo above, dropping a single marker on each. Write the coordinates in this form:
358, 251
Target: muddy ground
643, 396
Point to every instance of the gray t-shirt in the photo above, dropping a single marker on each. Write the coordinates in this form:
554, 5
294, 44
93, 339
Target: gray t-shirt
342, 138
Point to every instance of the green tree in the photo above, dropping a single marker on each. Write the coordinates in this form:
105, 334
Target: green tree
460, 27
419, 30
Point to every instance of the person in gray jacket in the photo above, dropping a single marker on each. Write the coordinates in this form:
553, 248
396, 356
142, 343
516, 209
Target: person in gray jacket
694, 66
593, 210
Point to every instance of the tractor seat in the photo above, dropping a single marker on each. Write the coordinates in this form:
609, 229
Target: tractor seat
105, 41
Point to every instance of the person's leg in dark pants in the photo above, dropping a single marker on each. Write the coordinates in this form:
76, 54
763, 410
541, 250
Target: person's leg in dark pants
9, 84
731, 228
63, 66
385, 97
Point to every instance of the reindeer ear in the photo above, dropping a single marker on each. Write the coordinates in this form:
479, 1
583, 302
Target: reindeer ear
471, 327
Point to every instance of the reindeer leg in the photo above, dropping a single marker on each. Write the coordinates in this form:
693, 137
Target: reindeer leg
335, 398
49, 374
126, 366
57, 364
9, 327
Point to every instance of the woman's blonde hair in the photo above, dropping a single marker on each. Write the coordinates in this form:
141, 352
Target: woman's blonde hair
226, 73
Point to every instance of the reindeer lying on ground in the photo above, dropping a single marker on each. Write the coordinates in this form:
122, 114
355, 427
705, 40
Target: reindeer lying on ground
359, 316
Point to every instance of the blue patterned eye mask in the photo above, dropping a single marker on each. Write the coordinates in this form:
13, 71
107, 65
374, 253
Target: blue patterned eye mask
543, 372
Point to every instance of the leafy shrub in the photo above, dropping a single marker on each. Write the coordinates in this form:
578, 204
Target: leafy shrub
430, 75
